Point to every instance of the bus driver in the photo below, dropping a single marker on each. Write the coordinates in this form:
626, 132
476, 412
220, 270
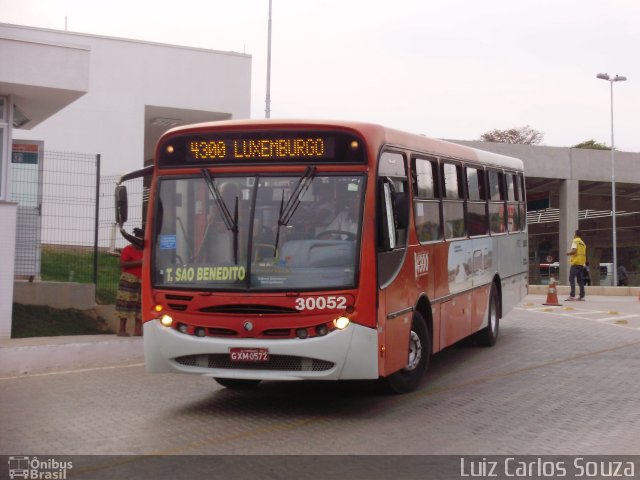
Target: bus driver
345, 222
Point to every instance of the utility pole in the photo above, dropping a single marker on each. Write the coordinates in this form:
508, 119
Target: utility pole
267, 112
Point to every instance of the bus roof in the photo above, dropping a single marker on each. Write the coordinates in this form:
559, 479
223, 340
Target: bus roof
377, 134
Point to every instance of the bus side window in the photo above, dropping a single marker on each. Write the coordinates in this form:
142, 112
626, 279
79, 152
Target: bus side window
477, 220
513, 212
452, 201
511, 188
522, 205
497, 212
426, 205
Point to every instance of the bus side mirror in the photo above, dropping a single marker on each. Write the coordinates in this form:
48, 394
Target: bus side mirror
401, 209
122, 204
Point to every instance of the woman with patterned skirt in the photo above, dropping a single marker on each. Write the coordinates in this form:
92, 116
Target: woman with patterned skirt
128, 298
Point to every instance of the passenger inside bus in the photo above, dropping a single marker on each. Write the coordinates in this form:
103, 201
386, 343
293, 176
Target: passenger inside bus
344, 226
326, 210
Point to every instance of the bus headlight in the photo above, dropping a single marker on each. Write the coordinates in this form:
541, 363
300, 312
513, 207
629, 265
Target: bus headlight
341, 322
166, 320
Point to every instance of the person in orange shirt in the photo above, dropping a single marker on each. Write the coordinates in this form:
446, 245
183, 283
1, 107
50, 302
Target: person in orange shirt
128, 298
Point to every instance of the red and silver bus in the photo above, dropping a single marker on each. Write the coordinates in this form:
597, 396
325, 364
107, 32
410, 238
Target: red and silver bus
310, 250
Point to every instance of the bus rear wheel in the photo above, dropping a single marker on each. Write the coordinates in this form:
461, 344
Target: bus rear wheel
488, 335
237, 383
408, 379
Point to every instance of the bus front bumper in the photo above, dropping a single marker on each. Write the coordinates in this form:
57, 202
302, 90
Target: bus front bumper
346, 354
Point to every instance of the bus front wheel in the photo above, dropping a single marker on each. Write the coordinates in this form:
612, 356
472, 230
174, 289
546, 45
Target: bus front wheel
408, 379
237, 383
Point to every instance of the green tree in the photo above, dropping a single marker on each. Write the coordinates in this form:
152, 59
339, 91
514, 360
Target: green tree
593, 145
523, 135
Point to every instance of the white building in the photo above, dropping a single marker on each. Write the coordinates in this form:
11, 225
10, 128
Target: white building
72, 92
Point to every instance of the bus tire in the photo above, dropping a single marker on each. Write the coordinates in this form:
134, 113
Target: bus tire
237, 383
488, 335
408, 379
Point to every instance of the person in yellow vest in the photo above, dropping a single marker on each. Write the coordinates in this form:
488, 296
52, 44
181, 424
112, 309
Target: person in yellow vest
578, 259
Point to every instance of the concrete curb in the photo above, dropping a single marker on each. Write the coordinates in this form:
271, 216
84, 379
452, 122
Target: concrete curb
23, 356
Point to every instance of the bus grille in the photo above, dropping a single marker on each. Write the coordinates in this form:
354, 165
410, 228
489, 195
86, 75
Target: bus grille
247, 309
285, 363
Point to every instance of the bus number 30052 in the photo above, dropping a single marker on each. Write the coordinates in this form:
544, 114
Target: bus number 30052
321, 303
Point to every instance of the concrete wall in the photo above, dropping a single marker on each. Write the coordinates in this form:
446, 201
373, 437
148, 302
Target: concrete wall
63, 295
7, 244
43, 77
66, 66
81, 296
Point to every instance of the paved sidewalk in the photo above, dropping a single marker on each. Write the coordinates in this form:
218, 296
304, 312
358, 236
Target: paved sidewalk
21, 356
24, 356
623, 311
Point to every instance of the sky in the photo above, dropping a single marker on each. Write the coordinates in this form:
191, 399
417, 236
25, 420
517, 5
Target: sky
449, 69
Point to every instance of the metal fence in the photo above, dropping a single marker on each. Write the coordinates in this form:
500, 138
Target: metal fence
65, 220
56, 217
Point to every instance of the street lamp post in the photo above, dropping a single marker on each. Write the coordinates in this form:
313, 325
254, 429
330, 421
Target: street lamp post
267, 110
617, 78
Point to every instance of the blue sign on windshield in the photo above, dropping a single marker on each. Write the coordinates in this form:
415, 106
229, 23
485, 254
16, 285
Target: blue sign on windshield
167, 242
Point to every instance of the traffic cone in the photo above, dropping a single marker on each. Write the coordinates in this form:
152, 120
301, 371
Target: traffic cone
552, 294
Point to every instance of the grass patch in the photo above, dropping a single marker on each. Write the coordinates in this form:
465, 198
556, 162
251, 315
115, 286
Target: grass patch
76, 265
43, 321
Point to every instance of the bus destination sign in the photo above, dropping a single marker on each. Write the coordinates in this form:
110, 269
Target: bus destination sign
260, 147
269, 148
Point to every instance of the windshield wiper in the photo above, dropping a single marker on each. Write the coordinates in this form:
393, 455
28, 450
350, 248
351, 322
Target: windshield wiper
287, 210
230, 222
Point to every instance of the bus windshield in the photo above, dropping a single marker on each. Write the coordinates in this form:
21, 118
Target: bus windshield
258, 232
